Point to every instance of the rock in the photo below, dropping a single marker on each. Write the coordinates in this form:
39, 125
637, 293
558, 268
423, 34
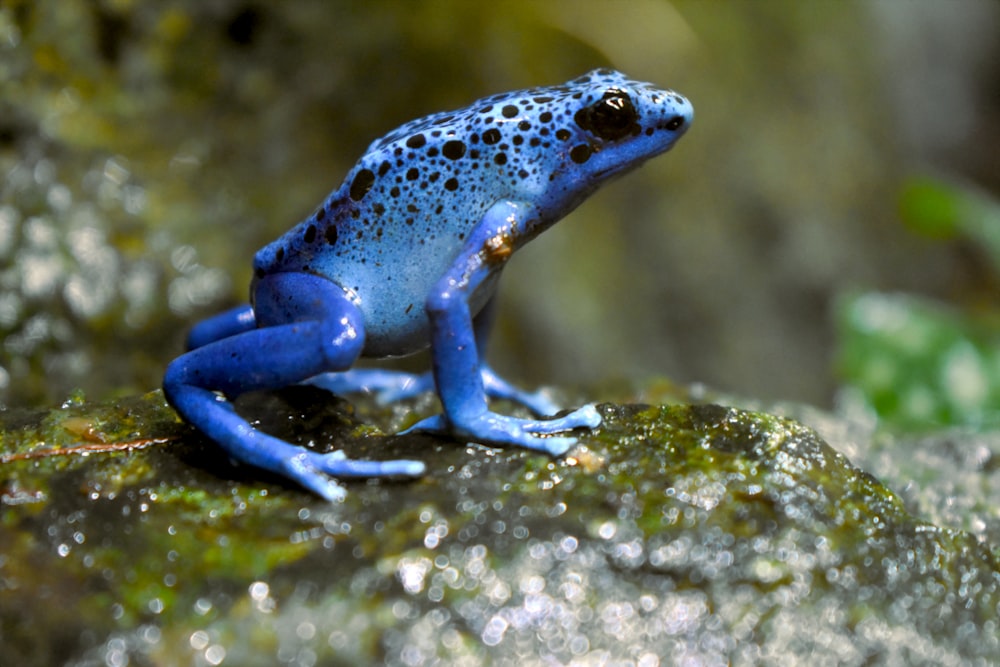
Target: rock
687, 532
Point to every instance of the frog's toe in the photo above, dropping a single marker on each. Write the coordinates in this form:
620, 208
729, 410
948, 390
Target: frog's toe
501, 430
338, 465
518, 436
303, 470
316, 471
586, 417
553, 445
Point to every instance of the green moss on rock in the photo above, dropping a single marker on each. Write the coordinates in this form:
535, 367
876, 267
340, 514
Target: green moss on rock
692, 531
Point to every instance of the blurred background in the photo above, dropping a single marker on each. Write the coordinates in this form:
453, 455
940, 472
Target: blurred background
828, 228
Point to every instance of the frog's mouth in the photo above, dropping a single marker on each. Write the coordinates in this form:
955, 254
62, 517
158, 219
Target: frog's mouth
613, 160
614, 168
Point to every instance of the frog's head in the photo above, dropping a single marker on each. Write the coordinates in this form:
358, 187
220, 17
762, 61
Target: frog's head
551, 146
618, 123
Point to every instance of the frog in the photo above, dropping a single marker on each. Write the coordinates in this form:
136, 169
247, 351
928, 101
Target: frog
406, 254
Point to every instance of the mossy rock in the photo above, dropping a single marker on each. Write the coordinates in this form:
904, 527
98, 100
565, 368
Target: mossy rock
682, 531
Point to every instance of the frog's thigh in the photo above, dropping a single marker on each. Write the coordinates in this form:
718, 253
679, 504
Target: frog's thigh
305, 315
306, 326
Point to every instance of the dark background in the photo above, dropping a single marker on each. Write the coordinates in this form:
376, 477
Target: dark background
147, 149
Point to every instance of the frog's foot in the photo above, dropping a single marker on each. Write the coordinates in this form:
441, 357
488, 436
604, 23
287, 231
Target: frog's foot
388, 386
536, 435
313, 470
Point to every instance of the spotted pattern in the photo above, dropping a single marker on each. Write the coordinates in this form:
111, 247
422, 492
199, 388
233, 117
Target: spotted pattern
406, 208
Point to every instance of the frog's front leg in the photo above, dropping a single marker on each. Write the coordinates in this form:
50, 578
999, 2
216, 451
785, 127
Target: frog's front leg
457, 367
305, 325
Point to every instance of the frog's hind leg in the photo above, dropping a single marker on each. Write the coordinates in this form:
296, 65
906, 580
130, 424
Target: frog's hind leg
390, 386
307, 326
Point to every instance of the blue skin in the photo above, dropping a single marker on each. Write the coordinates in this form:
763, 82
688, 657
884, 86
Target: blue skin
408, 252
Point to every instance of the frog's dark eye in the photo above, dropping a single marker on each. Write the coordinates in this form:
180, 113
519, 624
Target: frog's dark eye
611, 117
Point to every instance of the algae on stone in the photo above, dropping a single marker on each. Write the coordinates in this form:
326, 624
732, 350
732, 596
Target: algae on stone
685, 531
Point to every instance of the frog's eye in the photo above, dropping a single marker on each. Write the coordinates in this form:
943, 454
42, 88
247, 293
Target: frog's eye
611, 117
674, 123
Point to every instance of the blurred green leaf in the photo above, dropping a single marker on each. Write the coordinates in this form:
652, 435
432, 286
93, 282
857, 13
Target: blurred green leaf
929, 207
920, 364
940, 209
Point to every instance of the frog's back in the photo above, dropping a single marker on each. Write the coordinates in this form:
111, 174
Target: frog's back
405, 209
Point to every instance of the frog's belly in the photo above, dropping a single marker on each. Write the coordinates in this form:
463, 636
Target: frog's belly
394, 307
395, 319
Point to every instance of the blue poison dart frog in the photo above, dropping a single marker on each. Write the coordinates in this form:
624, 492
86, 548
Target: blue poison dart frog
406, 253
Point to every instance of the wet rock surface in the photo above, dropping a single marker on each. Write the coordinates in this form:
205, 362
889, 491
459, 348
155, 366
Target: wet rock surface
684, 532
